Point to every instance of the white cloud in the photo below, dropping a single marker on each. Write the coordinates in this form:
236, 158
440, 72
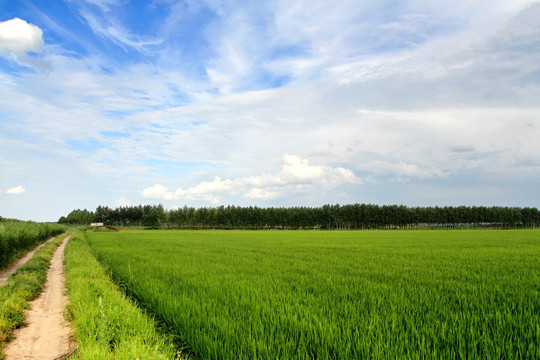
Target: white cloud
263, 194
296, 176
106, 26
122, 202
158, 192
18, 38
16, 190
402, 169
300, 169
105, 5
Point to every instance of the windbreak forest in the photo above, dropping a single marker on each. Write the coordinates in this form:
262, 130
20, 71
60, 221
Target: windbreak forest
350, 217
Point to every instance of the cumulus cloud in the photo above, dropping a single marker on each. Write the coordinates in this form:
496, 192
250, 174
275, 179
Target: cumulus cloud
16, 190
18, 38
122, 202
296, 175
300, 169
263, 194
157, 191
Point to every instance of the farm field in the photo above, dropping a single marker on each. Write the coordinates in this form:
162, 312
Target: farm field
337, 294
18, 237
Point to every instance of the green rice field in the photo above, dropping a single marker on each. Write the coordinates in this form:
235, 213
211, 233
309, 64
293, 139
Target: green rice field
335, 294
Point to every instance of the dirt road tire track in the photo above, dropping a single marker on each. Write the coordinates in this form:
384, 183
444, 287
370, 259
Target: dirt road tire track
47, 334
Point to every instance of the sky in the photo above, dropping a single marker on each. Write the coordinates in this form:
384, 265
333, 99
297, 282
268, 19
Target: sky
267, 103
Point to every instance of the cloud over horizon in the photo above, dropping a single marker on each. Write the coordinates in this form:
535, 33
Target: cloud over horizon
296, 175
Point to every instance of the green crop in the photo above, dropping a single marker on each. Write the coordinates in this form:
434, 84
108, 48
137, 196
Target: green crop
18, 237
106, 324
336, 295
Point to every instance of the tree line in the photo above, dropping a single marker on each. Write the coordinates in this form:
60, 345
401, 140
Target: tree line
353, 216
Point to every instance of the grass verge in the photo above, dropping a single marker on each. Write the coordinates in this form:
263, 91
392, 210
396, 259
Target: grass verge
106, 323
22, 287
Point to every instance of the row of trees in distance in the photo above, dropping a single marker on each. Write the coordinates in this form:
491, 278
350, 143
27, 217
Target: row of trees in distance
354, 216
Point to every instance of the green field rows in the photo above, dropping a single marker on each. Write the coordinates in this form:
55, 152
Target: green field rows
105, 324
336, 295
17, 237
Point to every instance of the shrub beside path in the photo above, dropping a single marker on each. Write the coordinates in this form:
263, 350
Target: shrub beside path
47, 334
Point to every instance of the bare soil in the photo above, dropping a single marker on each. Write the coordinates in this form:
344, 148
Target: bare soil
7, 272
47, 334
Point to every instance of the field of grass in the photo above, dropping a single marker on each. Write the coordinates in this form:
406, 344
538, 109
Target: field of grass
106, 324
16, 238
336, 295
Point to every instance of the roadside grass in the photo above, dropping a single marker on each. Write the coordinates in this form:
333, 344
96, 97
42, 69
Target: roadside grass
22, 287
107, 325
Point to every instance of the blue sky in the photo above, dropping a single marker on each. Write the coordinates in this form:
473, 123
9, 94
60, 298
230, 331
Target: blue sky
267, 103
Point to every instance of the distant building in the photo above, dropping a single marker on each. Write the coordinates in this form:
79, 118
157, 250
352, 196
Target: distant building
96, 224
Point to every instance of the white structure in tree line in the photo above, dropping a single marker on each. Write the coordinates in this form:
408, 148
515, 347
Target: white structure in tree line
96, 224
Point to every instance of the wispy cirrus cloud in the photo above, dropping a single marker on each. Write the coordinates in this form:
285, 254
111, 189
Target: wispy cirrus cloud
114, 31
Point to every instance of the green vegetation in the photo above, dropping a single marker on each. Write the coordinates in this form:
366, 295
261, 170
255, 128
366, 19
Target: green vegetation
356, 216
335, 295
106, 324
23, 286
18, 237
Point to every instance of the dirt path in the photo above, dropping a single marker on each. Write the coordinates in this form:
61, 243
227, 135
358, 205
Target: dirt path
7, 272
47, 334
